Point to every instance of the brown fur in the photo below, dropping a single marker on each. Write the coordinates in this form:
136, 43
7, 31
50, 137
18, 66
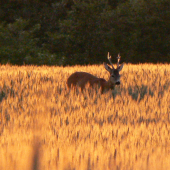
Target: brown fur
82, 78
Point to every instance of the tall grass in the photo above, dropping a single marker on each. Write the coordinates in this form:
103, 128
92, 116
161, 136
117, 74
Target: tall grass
43, 125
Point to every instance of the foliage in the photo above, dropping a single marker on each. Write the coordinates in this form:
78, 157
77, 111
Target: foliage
19, 46
68, 32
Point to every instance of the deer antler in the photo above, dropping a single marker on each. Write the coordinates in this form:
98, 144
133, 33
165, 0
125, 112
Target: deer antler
109, 58
118, 60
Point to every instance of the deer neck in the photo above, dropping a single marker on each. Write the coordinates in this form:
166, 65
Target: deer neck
108, 85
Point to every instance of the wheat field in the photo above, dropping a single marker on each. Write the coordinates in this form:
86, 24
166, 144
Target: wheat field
45, 126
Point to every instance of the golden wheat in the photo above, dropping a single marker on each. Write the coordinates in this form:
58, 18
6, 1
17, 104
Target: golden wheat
43, 125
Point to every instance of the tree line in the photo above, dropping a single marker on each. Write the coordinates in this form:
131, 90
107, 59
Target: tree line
69, 32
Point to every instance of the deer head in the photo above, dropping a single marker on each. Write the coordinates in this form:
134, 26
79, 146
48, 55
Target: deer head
114, 72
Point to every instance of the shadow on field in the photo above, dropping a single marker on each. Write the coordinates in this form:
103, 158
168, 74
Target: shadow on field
138, 92
2, 95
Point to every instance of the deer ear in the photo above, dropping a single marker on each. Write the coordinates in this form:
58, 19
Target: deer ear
120, 67
107, 67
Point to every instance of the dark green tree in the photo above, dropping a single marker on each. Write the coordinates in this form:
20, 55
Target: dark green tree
81, 37
18, 45
83, 31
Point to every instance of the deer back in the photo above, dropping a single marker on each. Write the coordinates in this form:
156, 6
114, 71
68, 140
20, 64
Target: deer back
82, 78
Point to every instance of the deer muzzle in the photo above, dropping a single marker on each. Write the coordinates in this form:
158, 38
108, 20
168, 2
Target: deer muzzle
118, 83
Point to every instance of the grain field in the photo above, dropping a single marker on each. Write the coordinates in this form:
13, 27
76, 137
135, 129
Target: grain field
45, 126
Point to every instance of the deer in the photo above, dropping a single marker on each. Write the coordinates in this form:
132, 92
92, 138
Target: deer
80, 79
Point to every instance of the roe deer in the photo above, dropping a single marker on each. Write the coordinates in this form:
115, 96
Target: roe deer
82, 78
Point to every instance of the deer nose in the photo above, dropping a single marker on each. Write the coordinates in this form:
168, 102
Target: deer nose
118, 83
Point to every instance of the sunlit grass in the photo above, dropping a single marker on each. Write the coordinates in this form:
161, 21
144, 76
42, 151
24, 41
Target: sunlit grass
43, 125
